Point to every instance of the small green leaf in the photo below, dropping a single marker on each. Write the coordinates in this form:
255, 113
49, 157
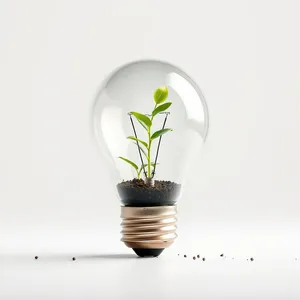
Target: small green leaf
159, 133
138, 140
130, 162
143, 118
161, 108
143, 124
161, 95
142, 150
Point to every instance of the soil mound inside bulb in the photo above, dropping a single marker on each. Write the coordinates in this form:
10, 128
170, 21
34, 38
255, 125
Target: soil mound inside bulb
136, 193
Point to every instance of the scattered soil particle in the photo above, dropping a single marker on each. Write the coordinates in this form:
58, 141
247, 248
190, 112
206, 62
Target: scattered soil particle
222, 255
73, 258
194, 257
36, 257
252, 259
137, 193
198, 256
203, 258
184, 255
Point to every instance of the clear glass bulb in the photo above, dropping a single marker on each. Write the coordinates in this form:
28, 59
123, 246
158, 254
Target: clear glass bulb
131, 88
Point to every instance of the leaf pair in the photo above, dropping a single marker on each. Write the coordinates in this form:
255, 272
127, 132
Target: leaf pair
138, 170
154, 136
133, 164
146, 121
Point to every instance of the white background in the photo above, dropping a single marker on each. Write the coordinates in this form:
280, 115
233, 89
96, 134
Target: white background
243, 196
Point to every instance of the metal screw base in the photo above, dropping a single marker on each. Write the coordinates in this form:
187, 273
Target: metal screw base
149, 227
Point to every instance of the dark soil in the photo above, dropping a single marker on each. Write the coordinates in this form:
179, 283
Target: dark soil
136, 193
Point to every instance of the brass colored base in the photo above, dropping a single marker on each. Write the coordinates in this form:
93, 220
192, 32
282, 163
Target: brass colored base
149, 227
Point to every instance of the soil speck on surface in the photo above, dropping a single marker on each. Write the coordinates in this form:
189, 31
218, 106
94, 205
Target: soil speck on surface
222, 255
73, 258
198, 256
184, 255
203, 258
36, 257
194, 257
252, 259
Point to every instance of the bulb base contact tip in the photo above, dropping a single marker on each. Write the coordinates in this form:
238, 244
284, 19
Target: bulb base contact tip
148, 230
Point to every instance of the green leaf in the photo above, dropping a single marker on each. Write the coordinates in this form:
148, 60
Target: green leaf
130, 162
143, 118
159, 133
161, 108
142, 150
143, 125
161, 95
138, 140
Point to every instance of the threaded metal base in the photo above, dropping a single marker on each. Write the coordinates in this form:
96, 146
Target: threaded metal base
149, 227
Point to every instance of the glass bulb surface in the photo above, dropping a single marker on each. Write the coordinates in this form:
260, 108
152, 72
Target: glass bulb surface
131, 89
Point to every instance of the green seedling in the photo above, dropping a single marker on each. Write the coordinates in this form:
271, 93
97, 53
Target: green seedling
160, 96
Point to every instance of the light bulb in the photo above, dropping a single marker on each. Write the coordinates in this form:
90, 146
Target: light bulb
150, 120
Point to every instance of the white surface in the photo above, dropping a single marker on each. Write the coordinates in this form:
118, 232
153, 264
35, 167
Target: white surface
243, 195
113, 276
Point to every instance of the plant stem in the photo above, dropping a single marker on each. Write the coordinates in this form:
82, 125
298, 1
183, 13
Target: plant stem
149, 147
149, 154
